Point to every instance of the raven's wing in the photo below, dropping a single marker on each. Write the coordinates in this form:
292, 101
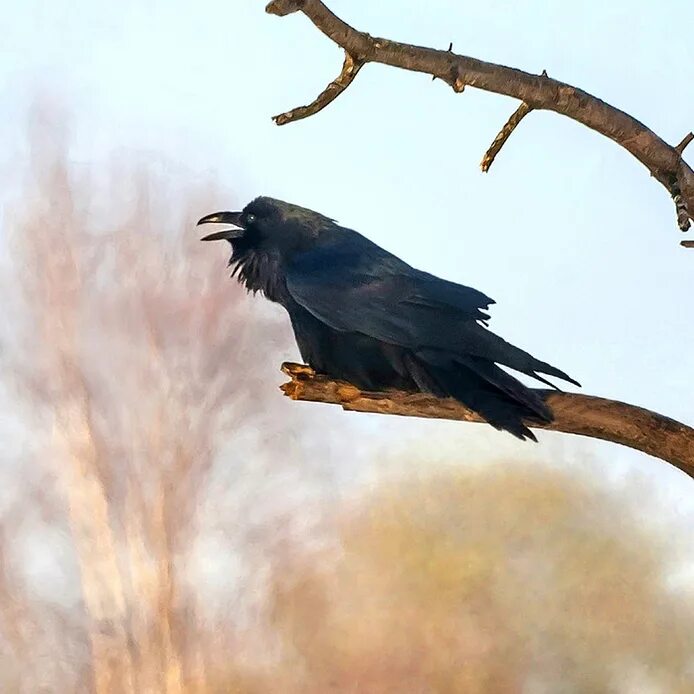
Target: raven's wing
356, 286
353, 285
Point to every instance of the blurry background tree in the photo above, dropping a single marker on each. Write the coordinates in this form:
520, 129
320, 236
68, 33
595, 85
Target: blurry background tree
127, 359
503, 579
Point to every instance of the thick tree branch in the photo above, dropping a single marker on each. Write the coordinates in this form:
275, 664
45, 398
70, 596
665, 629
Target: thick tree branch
537, 91
574, 413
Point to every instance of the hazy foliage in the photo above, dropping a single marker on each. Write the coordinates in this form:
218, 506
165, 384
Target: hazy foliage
504, 579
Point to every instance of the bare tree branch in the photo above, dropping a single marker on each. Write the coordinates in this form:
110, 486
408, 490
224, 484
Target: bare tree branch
537, 91
500, 140
685, 141
574, 413
349, 71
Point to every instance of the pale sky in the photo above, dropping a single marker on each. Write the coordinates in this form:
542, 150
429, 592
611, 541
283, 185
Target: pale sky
570, 235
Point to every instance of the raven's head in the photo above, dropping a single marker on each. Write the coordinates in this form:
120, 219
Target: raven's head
267, 223
262, 235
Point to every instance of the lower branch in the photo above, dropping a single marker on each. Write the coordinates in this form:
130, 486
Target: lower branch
574, 413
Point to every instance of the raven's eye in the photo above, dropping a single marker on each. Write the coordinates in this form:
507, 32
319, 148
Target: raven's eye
250, 218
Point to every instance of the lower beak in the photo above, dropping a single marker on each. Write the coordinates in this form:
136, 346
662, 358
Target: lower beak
223, 218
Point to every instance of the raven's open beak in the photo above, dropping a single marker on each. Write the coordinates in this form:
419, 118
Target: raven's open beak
223, 218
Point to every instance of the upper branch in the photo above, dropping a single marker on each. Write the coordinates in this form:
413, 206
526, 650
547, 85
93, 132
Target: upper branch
663, 160
574, 413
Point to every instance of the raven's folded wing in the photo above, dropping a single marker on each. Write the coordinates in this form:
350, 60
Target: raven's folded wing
383, 297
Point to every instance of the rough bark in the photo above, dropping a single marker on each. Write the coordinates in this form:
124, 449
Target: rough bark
574, 413
664, 161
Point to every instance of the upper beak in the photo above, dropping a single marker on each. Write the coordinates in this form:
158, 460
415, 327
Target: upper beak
223, 218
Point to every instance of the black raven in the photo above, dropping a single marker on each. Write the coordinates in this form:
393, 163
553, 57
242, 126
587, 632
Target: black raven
362, 315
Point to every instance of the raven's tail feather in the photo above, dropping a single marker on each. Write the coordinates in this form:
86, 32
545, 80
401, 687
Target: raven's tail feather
510, 386
549, 370
496, 349
496, 396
